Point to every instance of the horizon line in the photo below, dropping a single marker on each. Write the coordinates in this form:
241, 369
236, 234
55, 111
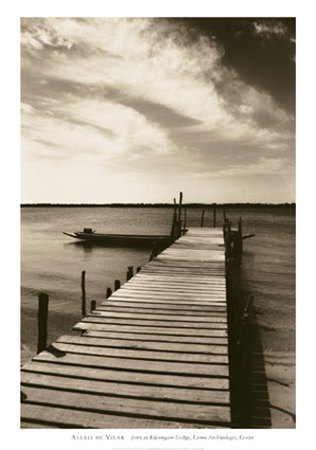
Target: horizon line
158, 204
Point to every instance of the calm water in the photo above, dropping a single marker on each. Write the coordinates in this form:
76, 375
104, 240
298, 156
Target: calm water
52, 263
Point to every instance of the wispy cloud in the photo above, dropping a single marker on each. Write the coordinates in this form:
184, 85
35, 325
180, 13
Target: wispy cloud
269, 29
134, 91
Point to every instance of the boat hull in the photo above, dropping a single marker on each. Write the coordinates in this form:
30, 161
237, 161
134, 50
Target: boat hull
122, 239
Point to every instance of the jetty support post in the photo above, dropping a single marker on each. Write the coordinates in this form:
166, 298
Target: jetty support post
117, 285
93, 305
42, 322
239, 240
184, 221
129, 273
138, 269
83, 294
108, 293
154, 251
202, 218
174, 221
228, 239
214, 215
180, 212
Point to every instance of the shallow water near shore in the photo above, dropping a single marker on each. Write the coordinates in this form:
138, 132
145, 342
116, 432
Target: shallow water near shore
52, 263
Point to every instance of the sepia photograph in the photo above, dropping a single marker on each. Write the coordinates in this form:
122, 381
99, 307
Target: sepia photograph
158, 223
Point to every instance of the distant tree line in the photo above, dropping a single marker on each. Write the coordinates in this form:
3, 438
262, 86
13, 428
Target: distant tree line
156, 205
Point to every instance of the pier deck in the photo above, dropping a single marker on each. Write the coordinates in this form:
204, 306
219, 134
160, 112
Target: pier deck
153, 355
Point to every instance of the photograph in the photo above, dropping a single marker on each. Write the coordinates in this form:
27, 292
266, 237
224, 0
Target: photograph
157, 225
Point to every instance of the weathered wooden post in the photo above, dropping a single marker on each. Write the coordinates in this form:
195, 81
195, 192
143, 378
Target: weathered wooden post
202, 218
185, 220
138, 269
83, 293
180, 211
108, 293
224, 214
129, 273
240, 227
239, 240
117, 285
93, 305
180, 205
42, 322
154, 251
229, 238
214, 215
174, 222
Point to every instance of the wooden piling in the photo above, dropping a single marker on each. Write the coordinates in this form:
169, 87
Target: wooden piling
154, 252
240, 227
174, 222
117, 285
93, 305
83, 293
138, 269
108, 293
180, 207
202, 218
184, 221
239, 241
42, 322
129, 273
214, 215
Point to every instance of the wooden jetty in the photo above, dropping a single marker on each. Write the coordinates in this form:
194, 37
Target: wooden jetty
152, 355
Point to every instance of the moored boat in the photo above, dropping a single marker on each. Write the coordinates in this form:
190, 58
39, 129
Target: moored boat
91, 236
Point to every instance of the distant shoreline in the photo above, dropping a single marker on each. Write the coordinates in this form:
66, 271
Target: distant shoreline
156, 205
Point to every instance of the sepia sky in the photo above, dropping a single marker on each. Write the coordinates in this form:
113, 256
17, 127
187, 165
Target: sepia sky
135, 110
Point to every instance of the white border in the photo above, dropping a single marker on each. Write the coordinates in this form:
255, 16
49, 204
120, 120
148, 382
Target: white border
10, 197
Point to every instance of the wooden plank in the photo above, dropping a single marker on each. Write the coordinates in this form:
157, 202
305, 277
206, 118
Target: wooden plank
146, 345
175, 279
195, 326
156, 304
198, 413
115, 389
158, 337
159, 309
199, 258
179, 286
175, 288
58, 417
159, 297
165, 287
71, 366
220, 318
84, 347
158, 284
165, 298
155, 269
84, 325
188, 264
145, 366
29, 425
187, 276
148, 359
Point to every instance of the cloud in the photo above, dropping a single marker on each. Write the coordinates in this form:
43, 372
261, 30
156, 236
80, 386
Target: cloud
264, 166
269, 29
134, 91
